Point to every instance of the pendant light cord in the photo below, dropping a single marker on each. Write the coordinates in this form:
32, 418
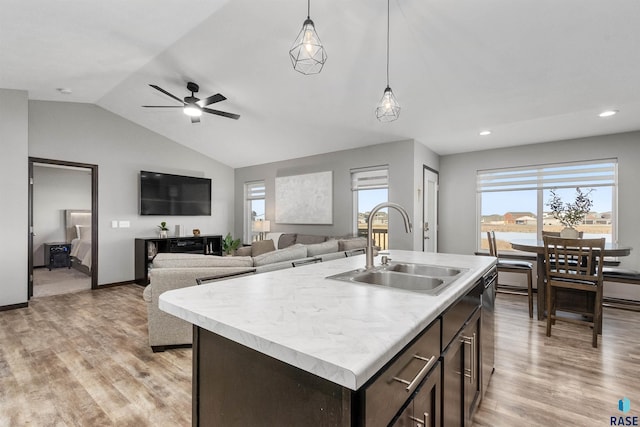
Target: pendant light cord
388, 42
308, 9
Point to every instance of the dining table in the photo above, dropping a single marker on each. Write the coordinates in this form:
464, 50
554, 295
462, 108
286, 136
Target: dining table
537, 246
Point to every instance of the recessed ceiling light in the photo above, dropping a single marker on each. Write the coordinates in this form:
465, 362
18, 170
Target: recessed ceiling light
608, 113
485, 133
64, 90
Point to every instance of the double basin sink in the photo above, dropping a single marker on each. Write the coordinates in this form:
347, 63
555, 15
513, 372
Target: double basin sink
424, 278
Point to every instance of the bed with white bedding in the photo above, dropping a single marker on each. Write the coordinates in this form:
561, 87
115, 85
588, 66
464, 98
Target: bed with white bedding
78, 233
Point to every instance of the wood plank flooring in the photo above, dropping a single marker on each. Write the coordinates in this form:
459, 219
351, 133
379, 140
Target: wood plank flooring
83, 359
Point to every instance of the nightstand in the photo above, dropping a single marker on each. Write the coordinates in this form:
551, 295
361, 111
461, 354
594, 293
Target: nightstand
57, 255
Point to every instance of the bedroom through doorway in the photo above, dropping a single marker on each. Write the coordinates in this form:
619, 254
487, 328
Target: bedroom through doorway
63, 227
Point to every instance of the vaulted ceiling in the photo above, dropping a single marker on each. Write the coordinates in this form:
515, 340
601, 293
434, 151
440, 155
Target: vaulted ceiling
528, 70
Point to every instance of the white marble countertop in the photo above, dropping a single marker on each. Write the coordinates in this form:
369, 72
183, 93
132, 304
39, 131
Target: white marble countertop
341, 331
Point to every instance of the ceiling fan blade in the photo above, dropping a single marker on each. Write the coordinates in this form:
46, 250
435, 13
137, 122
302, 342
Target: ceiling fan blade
221, 113
195, 119
163, 106
167, 93
211, 100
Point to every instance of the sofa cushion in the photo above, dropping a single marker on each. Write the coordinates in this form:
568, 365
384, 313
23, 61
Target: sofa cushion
322, 248
350, 244
168, 260
308, 239
286, 240
287, 254
262, 247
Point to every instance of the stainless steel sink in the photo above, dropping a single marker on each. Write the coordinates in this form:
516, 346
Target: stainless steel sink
424, 278
398, 280
424, 269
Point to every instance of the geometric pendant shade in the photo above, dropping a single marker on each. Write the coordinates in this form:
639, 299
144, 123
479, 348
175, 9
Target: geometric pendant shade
307, 53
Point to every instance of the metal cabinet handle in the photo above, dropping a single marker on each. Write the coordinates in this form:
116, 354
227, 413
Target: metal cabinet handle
471, 341
416, 380
421, 422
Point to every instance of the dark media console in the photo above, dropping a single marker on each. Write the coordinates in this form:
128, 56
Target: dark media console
146, 250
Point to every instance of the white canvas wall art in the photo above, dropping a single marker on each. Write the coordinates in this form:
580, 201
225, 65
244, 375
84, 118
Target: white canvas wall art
305, 199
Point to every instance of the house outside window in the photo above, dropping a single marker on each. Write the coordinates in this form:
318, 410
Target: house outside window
370, 187
254, 209
513, 202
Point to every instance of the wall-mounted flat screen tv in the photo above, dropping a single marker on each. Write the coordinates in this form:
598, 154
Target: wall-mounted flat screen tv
166, 194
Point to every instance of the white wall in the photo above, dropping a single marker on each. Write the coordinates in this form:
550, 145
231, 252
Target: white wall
458, 226
54, 191
13, 196
400, 156
86, 133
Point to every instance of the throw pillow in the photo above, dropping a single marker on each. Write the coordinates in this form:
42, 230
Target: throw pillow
322, 248
243, 251
308, 239
350, 244
286, 240
262, 247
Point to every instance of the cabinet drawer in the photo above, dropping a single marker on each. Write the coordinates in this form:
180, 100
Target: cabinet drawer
398, 380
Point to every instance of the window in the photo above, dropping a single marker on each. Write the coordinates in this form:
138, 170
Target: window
254, 209
513, 202
370, 187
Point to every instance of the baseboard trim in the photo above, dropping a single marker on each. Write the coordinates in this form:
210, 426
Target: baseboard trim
14, 306
111, 285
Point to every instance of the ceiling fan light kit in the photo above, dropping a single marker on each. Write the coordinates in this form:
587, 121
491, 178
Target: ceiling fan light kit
307, 53
193, 106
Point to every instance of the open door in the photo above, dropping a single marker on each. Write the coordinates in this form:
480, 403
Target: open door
430, 210
93, 169
30, 235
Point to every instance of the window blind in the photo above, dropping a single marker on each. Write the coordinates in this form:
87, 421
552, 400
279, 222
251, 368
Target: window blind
597, 173
369, 179
256, 190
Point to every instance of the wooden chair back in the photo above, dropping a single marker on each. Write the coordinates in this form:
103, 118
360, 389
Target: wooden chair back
557, 233
491, 237
573, 260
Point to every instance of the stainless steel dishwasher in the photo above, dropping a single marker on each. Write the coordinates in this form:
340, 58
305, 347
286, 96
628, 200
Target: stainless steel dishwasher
487, 323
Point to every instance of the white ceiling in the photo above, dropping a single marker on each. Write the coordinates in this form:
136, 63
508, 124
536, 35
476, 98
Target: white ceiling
529, 70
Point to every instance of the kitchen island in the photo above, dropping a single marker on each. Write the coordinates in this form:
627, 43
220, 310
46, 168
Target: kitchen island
295, 344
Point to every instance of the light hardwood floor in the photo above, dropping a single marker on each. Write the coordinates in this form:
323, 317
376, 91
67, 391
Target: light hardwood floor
82, 359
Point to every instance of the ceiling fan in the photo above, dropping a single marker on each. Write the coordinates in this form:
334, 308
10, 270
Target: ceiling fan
193, 106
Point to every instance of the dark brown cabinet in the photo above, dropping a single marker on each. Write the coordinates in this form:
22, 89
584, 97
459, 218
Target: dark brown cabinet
423, 409
146, 250
434, 381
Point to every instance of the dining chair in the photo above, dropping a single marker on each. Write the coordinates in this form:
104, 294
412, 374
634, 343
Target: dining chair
512, 266
305, 262
585, 276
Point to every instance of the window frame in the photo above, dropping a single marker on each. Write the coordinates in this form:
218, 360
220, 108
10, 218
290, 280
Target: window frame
253, 190
604, 173
367, 178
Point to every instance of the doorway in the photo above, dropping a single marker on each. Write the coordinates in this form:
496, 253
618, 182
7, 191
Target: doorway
63, 227
430, 210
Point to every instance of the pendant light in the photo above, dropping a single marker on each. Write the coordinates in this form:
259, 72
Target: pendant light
388, 108
307, 53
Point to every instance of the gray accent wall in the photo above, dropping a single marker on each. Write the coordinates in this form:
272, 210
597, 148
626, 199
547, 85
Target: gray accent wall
13, 195
458, 221
86, 133
404, 158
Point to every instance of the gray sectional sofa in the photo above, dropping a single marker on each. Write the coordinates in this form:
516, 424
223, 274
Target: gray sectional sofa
175, 270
